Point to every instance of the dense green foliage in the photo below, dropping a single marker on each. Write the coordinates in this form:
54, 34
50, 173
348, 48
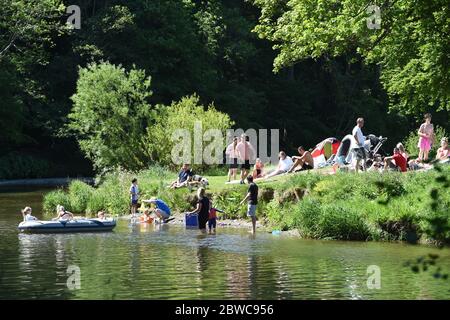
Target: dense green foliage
189, 115
411, 43
110, 115
117, 127
371, 206
208, 48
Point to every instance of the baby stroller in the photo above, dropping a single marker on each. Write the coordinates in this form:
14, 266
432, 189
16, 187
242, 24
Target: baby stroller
373, 148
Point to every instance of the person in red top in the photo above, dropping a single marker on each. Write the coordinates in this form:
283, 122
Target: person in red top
212, 217
399, 160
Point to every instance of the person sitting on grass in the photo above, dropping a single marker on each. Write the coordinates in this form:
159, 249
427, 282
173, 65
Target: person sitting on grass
403, 151
303, 162
443, 153
258, 170
26, 213
184, 176
399, 160
284, 165
62, 214
161, 209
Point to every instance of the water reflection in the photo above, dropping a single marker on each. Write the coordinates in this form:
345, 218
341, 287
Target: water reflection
149, 261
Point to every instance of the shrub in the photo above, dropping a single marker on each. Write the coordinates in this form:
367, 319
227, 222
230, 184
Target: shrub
184, 114
54, 198
79, 195
96, 202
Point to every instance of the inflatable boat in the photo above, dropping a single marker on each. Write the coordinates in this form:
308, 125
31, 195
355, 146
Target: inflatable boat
78, 225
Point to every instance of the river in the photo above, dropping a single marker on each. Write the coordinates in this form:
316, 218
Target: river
171, 262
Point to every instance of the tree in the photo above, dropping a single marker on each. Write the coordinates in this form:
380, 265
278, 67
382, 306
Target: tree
111, 114
185, 115
411, 47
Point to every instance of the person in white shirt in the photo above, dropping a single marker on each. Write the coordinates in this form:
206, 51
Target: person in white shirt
284, 165
232, 158
358, 144
26, 213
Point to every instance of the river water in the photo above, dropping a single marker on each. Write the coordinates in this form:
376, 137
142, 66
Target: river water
170, 262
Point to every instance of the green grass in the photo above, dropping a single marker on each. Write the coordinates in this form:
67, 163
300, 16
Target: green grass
348, 206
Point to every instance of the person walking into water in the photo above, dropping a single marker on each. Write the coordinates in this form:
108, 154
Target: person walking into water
252, 201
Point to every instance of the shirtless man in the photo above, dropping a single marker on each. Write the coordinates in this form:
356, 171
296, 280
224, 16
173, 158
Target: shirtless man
305, 161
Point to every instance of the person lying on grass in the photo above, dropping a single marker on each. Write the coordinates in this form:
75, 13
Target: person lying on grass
283, 165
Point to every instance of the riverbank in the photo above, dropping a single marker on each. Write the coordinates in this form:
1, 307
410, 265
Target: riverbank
392, 206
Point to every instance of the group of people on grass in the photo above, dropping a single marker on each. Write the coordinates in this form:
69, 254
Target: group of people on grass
240, 152
400, 159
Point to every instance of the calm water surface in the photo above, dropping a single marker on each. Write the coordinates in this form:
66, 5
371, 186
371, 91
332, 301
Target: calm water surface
169, 262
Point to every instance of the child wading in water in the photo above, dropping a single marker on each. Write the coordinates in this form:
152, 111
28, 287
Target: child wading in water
212, 219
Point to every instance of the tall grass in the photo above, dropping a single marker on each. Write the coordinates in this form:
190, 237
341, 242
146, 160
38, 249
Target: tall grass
369, 206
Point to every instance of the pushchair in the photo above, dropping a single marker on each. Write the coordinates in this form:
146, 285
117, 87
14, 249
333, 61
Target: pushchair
372, 146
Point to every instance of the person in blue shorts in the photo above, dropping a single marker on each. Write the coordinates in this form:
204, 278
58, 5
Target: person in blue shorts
252, 198
161, 210
134, 194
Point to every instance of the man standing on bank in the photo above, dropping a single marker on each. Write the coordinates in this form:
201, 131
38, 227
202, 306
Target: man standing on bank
252, 198
358, 144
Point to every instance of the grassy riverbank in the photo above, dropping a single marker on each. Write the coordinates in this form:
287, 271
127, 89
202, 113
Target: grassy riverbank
367, 206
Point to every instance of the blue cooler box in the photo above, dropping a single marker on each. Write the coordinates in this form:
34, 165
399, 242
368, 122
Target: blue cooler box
191, 220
